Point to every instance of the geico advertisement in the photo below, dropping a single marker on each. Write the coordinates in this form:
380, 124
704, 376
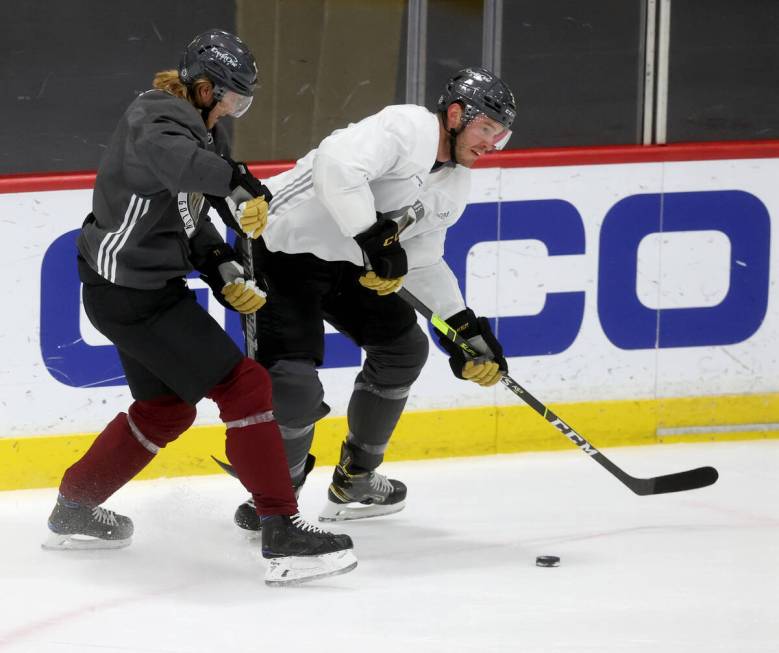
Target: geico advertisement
626, 281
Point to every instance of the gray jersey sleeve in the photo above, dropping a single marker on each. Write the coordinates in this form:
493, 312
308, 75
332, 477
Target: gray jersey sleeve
169, 145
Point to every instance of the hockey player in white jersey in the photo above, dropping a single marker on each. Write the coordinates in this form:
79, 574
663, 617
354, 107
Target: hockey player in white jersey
355, 218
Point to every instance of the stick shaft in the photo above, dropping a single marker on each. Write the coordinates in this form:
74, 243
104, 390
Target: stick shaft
250, 320
687, 480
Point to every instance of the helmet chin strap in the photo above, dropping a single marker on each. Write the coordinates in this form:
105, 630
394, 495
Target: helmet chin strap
453, 145
453, 134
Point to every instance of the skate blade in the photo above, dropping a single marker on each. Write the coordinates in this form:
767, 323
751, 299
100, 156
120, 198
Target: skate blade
347, 511
57, 542
295, 570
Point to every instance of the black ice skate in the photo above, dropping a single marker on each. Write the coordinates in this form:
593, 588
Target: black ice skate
246, 514
75, 526
357, 493
298, 552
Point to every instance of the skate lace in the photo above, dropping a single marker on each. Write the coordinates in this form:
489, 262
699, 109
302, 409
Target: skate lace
380, 483
104, 516
303, 525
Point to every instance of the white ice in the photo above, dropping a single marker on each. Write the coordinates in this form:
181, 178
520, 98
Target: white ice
679, 573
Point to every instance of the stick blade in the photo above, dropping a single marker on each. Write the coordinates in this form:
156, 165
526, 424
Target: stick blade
690, 480
226, 467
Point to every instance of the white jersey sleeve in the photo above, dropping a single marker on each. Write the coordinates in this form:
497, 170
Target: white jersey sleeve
436, 286
399, 143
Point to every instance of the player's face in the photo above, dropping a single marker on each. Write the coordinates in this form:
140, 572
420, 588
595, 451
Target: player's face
480, 136
232, 104
235, 105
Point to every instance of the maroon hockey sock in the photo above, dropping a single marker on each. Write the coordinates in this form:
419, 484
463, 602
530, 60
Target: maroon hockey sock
257, 454
254, 446
113, 459
125, 447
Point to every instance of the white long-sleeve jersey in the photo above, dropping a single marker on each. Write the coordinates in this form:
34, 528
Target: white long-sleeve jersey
382, 163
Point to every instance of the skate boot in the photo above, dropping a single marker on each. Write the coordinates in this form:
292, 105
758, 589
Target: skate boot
75, 526
357, 493
298, 552
246, 515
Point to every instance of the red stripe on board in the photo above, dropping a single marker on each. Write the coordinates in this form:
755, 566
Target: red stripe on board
46, 181
532, 158
30, 183
571, 156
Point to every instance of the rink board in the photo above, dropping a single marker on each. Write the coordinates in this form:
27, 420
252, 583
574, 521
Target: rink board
633, 288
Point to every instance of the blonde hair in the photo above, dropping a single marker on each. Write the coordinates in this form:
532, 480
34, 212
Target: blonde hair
170, 82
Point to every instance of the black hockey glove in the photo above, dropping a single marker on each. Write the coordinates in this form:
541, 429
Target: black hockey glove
486, 370
245, 209
381, 244
386, 258
225, 275
243, 179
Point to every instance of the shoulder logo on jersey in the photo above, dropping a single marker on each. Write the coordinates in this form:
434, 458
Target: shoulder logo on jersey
189, 205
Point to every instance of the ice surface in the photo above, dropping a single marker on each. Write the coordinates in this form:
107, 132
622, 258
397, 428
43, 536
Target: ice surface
455, 571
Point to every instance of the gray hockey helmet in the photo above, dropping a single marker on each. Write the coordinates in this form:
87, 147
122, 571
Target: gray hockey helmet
480, 91
224, 59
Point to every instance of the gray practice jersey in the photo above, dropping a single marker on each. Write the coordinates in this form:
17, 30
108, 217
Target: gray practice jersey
148, 221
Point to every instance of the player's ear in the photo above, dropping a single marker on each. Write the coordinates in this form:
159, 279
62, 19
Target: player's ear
454, 115
204, 94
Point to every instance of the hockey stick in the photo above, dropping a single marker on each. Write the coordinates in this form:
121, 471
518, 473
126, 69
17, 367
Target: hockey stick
247, 256
226, 208
249, 320
227, 467
679, 482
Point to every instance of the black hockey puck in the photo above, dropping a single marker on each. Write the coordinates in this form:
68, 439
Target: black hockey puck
547, 561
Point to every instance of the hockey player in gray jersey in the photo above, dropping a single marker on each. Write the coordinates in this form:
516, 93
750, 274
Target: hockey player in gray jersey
364, 212
147, 230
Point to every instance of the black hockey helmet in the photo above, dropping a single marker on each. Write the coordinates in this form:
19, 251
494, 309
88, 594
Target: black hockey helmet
224, 59
480, 91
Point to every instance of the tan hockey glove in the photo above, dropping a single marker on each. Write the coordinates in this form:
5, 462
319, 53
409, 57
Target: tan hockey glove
245, 209
485, 374
380, 285
244, 296
227, 279
487, 369
253, 216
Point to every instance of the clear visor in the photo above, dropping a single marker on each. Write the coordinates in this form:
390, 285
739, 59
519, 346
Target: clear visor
491, 131
236, 104
501, 142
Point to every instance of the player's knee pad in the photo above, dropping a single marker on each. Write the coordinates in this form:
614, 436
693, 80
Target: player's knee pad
398, 362
244, 392
298, 396
156, 422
